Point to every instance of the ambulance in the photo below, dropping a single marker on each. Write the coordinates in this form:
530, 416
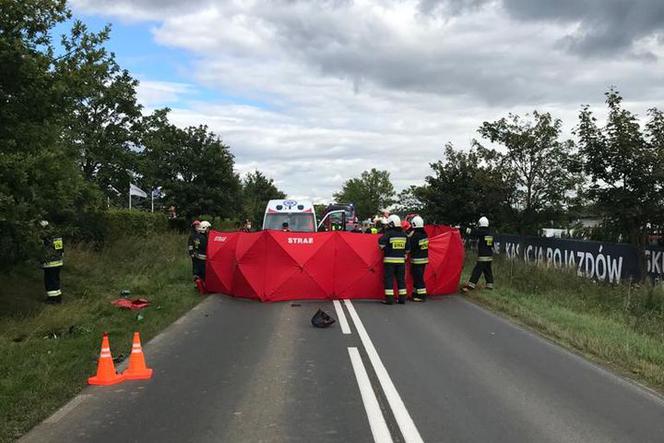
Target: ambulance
299, 215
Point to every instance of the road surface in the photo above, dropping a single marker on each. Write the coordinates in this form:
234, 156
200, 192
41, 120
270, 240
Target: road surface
443, 371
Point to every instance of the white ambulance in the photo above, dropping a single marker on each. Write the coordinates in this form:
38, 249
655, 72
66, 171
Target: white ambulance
298, 215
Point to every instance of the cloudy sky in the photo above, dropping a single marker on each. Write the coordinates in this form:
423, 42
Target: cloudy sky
314, 92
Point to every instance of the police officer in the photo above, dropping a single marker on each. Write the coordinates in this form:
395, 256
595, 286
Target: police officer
419, 257
190, 245
395, 246
200, 249
52, 261
484, 257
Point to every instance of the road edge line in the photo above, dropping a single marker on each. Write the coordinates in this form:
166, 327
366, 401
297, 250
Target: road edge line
401, 415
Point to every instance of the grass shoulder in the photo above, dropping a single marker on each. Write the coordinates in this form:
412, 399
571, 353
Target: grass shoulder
619, 326
49, 351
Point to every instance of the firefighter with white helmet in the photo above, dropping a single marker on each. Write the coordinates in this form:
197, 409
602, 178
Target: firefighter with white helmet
484, 239
51, 262
200, 249
395, 245
419, 257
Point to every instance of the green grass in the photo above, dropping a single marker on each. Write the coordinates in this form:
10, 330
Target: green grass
617, 325
49, 351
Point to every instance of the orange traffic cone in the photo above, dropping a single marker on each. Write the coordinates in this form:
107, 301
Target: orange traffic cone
106, 374
137, 369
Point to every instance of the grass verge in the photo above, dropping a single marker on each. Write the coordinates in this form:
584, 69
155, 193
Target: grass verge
620, 326
49, 351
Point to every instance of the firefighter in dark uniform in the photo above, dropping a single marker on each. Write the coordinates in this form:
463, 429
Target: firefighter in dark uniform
190, 245
200, 250
484, 257
51, 261
419, 257
395, 246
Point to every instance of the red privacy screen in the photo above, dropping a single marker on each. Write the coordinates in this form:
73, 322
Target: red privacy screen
277, 266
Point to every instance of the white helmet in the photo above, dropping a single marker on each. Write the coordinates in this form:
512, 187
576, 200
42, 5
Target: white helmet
43, 223
394, 220
417, 222
204, 226
484, 222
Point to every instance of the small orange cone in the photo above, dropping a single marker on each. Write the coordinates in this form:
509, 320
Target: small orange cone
137, 369
106, 374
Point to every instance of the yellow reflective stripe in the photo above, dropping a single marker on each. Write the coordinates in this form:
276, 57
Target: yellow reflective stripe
52, 264
403, 292
419, 261
421, 291
201, 256
389, 292
394, 260
484, 259
53, 293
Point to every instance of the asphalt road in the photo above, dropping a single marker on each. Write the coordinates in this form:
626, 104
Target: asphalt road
443, 371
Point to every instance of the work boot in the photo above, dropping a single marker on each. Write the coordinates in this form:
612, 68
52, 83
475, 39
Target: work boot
387, 302
55, 300
417, 299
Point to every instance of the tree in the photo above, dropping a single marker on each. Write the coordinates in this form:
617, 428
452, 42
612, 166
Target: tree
544, 169
408, 201
103, 125
463, 188
257, 190
370, 193
193, 167
626, 167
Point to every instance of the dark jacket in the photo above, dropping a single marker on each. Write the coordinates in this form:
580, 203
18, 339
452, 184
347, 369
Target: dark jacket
395, 244
419, 247
200, 241
484, 239
52, 250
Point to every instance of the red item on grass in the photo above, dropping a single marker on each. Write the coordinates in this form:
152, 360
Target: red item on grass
134, 305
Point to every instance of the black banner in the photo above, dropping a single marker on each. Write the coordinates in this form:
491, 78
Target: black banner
610, 262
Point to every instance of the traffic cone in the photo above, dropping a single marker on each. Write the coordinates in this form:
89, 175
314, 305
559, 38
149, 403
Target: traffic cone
106, 374
137, 369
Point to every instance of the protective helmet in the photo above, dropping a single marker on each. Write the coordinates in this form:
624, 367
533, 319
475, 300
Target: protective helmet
484, 222
394, 220
405, 225
195, 223
417, 222
204, 226
43, 223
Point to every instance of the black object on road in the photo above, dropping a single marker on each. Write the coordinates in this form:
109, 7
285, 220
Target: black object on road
322, 320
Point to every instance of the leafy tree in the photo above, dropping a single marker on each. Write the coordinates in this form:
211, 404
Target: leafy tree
103, 125
257, 190
463, 188
408, 201
544, 169
370, 193
38, 176
626, 166
193, 167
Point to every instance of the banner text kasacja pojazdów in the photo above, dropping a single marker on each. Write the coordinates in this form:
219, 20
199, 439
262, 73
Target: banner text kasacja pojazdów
608, 262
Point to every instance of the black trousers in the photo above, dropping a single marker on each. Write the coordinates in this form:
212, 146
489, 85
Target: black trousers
419, 288
199, 268
482, 267
395, 271
52, 282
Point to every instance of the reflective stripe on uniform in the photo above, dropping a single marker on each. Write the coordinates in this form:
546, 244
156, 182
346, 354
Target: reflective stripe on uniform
484, 259
52, 264
419, 261
471, 285
403, 292
54, 293
394, 260
201, 256
421, 291
389, 292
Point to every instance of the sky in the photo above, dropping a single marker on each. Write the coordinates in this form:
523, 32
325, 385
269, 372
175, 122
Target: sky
312, 93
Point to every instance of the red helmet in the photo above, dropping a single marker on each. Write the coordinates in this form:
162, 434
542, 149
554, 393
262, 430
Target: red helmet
195, 223
405, 225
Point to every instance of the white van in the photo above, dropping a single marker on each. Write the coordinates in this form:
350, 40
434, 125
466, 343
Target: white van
299, 215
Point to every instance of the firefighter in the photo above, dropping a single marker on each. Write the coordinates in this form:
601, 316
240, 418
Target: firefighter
395, 245
419, 257
52, 261
200, 249
285, 227
190, 245
484, 257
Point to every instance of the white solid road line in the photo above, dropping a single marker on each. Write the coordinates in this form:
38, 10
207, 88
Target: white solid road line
406, 424
377, 422
342, 317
